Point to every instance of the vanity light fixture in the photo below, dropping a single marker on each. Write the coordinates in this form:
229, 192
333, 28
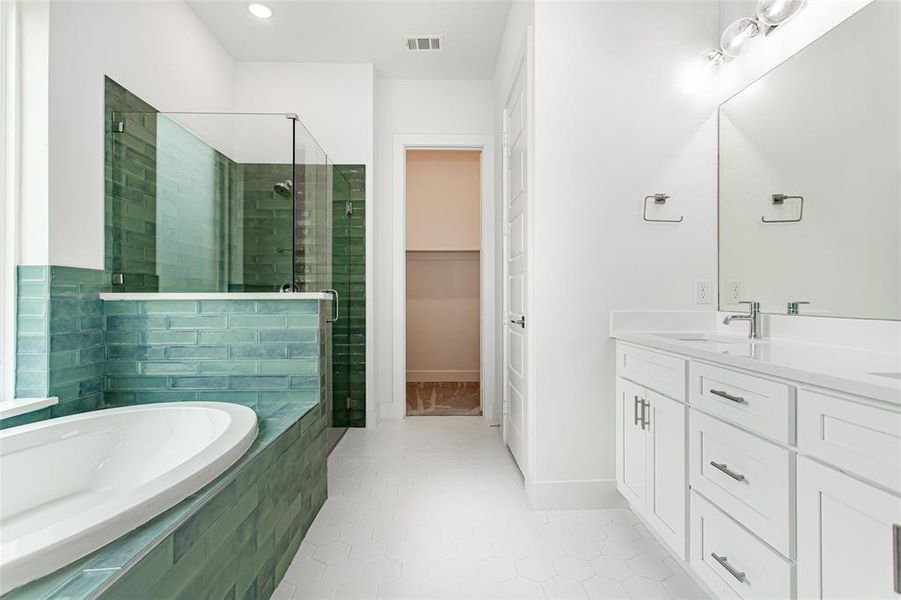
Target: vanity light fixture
777, 12
260, 11
738, 34
716, 57
770, 14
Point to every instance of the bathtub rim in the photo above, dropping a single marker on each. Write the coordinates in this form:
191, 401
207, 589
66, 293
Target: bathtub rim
162, 501
210, 491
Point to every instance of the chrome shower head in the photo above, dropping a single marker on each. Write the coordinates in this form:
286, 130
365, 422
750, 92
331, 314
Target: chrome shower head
283, 188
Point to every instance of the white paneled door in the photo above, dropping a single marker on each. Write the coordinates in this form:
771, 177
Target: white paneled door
515, 272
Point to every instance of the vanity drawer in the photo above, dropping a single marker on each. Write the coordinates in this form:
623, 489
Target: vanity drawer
857, 438
745, 476
758, 404
748, 568
660, 372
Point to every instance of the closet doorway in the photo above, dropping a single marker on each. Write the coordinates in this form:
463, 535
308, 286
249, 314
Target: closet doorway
443, 288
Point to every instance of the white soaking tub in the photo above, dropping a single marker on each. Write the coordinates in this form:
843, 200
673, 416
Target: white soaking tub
71, 485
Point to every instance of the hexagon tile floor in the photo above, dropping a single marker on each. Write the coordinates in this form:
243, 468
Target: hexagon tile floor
434, 507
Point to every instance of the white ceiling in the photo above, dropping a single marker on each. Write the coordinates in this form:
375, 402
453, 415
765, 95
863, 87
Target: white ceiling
369, 31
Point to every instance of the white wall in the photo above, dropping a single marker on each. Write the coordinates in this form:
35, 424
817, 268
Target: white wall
158, 50
34, 205
334, 101
614, 122
411, 107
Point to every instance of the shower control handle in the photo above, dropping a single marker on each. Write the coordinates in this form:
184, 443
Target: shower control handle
335, 294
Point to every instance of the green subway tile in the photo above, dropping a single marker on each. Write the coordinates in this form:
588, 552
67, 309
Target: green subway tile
137, 383
26, 325
227, 366
303, 350
290, 367
303, 321
166, 336
32, 273
287, 306
199, 352
289, 335
152, 396
121, 337
31, 344
258, 382
199, 382
168, 307
31, 291
228, 337
135, 322
257, 321
197, 322
170, 367
227, 306
268, 351
120, 308
304, 382
31, 308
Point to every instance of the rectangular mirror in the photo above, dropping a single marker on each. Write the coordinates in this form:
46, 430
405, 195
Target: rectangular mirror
809, 163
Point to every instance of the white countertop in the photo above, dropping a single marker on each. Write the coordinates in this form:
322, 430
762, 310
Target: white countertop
847, 370
133, 296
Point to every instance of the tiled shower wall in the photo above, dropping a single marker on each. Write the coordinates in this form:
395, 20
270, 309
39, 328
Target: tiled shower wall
59, 340
257, 353
349, 279
234, 234
267, 228
93, 354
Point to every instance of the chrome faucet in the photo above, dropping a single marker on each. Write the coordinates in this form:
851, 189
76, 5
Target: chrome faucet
752, 317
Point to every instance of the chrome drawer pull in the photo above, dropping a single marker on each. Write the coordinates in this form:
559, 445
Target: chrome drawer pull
635, 410
725, 469
728, 396
724, 562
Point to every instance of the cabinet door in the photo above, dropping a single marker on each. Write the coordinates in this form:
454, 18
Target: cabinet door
667, 465
631, 455
847, 536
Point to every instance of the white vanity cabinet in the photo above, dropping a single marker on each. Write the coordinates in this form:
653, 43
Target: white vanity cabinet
650, 466
767, 487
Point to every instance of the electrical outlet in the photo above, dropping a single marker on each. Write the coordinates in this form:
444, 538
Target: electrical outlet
703, 291
732, 292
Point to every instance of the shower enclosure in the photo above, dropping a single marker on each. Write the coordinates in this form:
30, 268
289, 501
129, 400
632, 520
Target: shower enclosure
228, 202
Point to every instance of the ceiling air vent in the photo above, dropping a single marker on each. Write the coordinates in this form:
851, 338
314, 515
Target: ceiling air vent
415, 43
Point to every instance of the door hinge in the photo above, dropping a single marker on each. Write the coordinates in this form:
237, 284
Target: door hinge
348, 208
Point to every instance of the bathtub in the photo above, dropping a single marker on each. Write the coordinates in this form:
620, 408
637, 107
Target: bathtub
71, 485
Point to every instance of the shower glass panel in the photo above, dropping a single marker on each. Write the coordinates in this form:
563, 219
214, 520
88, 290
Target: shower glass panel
216, 202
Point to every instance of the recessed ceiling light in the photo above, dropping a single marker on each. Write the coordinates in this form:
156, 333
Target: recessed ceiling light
261, 11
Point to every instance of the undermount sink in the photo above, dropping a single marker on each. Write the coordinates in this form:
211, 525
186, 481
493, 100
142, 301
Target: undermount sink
707, 338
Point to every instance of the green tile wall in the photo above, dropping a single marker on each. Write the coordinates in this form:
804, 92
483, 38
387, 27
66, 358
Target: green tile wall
256, 353
192, 211
250, 520
130, 189
240, 544
59, 340
266, 228
349, 279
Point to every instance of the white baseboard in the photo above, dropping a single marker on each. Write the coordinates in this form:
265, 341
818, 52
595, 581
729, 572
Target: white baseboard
420, 376
574, 495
